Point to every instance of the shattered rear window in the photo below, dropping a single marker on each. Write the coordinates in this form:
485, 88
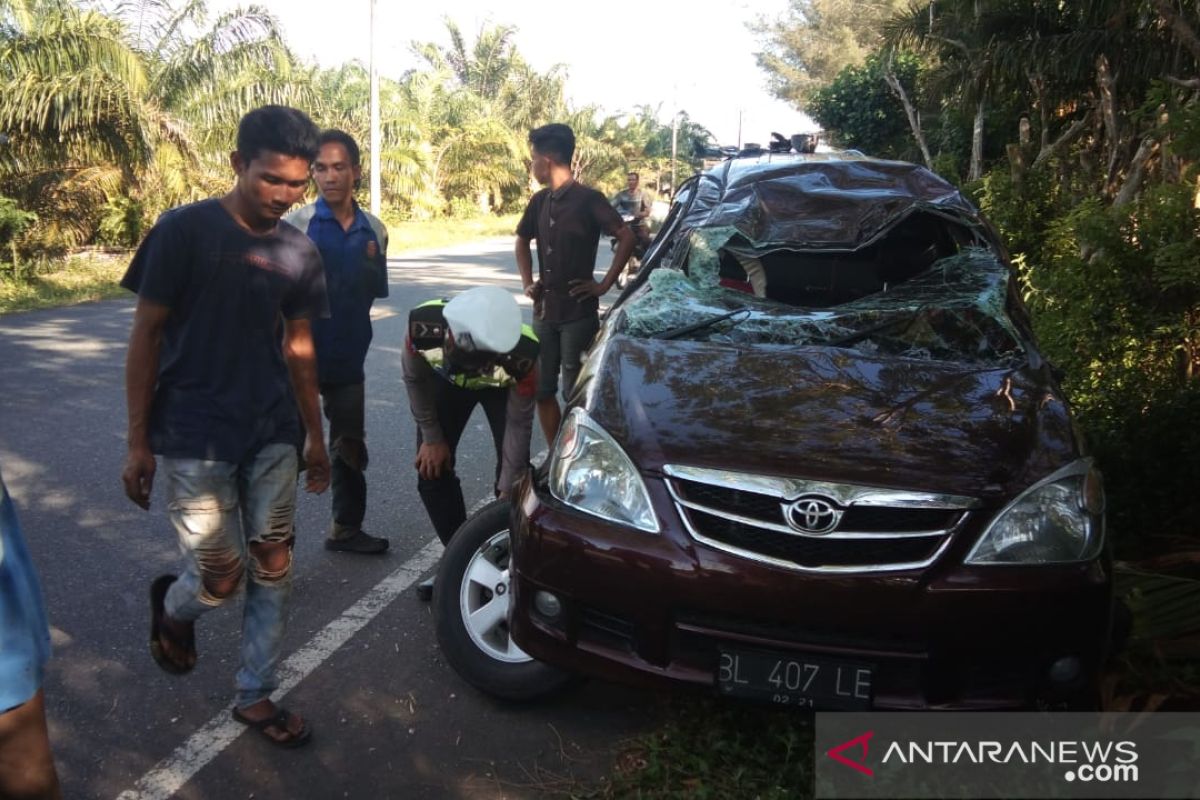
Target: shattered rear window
953, 310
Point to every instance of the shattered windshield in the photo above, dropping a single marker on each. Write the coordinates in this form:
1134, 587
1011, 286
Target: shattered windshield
953, 310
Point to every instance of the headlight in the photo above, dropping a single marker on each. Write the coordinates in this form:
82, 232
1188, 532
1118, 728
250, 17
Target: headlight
590, 472
1059, 519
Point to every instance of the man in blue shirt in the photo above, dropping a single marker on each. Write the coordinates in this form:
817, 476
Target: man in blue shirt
353, 245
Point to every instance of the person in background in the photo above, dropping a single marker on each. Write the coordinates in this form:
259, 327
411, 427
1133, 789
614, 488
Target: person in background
567, 219
633, 202
26, 766
353, 246
471, 350
220, 358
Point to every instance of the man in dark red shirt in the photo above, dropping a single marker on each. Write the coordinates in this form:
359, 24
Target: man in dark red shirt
566, 218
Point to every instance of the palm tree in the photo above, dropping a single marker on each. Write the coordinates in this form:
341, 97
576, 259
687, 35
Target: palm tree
483, 68
476, 108
107, 108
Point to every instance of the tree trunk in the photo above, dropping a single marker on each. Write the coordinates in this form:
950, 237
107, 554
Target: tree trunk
1108, 114
1038, 84
976, 171
1137, 170
1191, 352
1018, 164
1050, 149
914, 122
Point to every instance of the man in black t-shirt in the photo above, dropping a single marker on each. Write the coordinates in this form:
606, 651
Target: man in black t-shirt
567, 219
221, 286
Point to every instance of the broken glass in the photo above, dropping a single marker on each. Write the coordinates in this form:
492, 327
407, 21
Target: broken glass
954, 310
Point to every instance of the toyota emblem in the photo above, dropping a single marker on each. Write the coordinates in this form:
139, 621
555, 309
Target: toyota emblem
812, 515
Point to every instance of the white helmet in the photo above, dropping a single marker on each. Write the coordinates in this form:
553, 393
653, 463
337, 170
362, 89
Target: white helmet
486, 318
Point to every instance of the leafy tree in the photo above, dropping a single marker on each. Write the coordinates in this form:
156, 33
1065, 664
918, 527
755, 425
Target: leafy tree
815, 40
861, 112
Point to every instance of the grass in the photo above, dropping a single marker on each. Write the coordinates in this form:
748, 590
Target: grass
76, 279
440, 233
714, 749
94, 276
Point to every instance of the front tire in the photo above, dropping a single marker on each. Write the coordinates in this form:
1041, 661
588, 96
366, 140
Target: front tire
471, 604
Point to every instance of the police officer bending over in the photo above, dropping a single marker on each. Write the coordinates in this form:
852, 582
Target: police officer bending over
467, 351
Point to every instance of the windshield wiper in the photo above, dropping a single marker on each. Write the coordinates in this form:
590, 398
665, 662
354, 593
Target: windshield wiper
865, 333
683, 330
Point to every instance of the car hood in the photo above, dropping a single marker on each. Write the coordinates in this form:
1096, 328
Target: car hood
830, 414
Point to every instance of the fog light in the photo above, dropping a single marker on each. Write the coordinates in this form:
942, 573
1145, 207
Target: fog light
1065, 669
547, 604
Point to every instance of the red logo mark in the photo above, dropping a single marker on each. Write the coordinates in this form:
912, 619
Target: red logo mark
372, 249
858, 741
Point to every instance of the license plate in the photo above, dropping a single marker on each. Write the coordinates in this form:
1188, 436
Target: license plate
795, 680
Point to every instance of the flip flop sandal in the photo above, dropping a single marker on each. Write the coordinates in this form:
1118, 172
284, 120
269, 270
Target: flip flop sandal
278, 721
160, 632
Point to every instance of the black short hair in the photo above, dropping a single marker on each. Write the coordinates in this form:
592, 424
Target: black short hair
554, 140
278, 129
334, 136
632, 174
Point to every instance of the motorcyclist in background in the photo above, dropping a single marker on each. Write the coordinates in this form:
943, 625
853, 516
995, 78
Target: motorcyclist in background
634, 207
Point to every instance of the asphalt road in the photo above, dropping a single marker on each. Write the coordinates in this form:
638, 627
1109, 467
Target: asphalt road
390, 719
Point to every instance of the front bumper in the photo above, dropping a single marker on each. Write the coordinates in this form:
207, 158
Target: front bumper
650, 610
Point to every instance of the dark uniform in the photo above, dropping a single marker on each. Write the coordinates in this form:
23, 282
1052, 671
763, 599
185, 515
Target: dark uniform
442, 401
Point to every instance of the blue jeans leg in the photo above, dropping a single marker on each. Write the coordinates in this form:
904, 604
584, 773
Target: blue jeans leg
268, 484
236, 519
202, 504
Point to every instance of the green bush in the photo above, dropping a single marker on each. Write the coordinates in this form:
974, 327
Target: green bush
464, 208
120, 222
1115, 298
1150, 460
1023, 213
13, 222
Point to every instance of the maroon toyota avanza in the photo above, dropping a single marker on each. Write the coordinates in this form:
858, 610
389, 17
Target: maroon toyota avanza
814, 458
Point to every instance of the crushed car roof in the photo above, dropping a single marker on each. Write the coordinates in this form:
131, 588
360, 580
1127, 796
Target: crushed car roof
830, 201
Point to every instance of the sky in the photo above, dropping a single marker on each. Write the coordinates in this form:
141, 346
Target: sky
662, 53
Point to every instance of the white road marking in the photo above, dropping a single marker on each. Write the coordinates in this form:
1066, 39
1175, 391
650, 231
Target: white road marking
170, 774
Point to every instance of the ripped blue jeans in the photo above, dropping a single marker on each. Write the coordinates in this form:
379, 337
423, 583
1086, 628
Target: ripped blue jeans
235, 521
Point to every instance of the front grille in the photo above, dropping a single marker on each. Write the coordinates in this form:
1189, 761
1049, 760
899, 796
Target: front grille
879, 529
749, 504
863, 519
869, 519
813, 552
